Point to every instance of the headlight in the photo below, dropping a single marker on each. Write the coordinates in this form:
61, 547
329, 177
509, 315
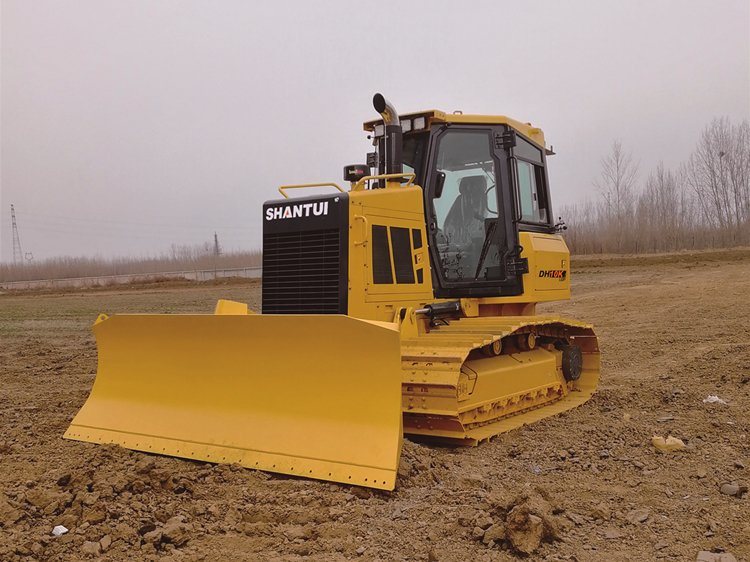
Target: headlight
420, 123
379, 130
406, 125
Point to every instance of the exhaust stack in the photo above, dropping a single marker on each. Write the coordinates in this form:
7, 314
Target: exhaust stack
393, 133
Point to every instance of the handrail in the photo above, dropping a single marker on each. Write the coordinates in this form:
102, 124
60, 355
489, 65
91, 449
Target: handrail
361, 182
302, 185
365, 236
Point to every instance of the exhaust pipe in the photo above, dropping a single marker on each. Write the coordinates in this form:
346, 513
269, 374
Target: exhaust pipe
393, 134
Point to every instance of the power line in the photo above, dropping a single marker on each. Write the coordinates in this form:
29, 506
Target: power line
116, 223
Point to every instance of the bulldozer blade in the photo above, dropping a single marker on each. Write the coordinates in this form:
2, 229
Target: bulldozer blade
317, 396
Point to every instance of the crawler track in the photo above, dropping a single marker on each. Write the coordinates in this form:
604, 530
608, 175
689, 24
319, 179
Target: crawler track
452, 391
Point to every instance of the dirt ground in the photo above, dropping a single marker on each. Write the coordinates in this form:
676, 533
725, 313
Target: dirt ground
673, 330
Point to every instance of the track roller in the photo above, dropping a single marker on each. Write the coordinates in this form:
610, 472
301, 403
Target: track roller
527, 341
494, 349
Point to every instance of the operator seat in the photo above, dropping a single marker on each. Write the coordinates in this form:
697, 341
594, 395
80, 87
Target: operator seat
465, 219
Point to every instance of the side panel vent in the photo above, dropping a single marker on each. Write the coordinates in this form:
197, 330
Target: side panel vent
381, 256
402, 253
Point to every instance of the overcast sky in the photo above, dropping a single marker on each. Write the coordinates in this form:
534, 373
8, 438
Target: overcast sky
128, 126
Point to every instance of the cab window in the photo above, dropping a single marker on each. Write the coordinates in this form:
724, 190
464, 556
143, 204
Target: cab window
532, 193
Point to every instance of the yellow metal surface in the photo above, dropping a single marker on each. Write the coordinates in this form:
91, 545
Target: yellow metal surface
314, 396
224, 306
401, 207
454, 392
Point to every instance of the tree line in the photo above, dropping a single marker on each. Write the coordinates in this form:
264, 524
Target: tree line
703, 203
179, 258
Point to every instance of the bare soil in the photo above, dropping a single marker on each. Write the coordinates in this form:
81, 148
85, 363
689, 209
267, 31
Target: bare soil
589, 483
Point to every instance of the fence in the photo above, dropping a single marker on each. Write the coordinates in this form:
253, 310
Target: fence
103, 280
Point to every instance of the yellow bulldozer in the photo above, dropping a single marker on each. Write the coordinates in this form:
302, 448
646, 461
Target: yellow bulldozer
403, 305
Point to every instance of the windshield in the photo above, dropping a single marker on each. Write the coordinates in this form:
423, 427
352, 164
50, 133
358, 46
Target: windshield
468, 240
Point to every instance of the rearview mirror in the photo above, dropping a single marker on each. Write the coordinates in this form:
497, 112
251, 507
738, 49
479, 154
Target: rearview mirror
439, 183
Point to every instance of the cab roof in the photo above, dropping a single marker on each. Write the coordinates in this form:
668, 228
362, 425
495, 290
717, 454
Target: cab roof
431, 116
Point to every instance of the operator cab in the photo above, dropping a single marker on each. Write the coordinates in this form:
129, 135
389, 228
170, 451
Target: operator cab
484, 179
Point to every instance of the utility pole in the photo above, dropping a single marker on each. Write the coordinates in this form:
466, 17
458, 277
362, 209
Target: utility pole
17, 252
217, 248
217, 252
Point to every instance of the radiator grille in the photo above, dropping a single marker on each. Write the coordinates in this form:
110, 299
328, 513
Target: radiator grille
302, 272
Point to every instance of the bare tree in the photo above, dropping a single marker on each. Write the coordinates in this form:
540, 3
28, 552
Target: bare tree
616, 185
738, 171
659, 211
718, 172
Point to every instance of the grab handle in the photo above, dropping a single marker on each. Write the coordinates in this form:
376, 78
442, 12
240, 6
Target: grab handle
366, 224
410, 178
303, 185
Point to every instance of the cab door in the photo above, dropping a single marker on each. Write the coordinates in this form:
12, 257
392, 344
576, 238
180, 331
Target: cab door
473, 239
